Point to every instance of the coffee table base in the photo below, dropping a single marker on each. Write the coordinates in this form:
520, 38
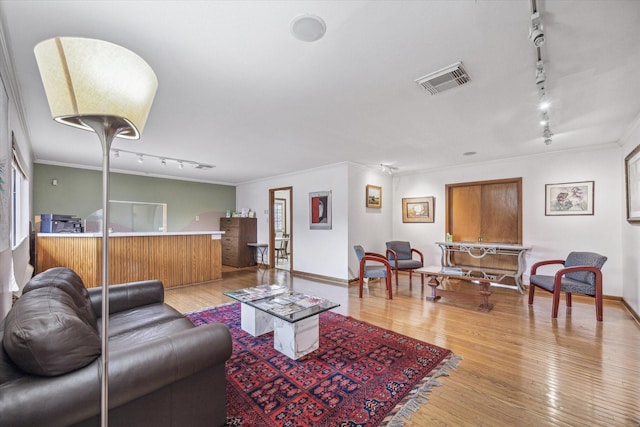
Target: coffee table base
291, 339
296, 339
255, 322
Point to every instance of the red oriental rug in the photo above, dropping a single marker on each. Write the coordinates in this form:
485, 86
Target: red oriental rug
361, 375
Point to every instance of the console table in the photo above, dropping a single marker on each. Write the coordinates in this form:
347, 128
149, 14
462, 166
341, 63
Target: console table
481, 250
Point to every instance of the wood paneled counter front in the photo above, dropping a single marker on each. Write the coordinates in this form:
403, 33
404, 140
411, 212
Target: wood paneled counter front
176, 259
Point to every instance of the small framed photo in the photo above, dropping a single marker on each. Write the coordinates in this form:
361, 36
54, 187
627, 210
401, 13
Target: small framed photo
320, 210
374, 196
632, 173
418, 209
569, 198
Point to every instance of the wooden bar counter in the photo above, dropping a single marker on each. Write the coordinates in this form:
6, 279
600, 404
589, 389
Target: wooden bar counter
176, 259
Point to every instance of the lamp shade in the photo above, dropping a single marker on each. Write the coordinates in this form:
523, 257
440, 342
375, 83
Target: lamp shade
88, 77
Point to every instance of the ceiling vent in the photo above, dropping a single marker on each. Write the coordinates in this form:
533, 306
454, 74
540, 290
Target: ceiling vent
444, 79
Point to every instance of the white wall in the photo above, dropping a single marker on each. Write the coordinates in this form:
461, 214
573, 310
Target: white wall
550, 236
320, 252
630, 233
368, 227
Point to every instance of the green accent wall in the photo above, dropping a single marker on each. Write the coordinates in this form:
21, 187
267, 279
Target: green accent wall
79, 192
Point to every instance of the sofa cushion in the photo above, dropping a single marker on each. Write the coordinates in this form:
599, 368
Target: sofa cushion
45, 336
68, 281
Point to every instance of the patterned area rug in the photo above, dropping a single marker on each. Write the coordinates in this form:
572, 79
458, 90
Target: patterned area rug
361, 375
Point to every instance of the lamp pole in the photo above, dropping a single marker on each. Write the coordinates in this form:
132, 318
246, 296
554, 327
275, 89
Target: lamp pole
107, 128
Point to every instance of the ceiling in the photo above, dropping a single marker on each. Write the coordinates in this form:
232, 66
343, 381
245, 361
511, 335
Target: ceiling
238, 91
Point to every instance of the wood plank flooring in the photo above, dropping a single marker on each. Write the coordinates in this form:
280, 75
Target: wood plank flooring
520, 367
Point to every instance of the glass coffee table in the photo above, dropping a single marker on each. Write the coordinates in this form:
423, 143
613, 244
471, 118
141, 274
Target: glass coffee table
293, 316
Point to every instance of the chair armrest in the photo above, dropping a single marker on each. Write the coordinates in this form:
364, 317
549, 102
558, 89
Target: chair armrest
128, 295
576, 268
70, 398
371, 256
419, 253
535, 266
393, 254
142, 369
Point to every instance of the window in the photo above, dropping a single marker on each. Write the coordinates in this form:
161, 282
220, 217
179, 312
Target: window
20, 204
279, 215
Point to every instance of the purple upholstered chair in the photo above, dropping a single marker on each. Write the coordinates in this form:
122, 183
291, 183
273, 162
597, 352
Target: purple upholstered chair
581, 275
400, 256
373, 266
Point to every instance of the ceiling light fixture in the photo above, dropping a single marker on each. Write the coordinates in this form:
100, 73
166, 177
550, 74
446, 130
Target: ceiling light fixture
388, 169
308, 28
163, 159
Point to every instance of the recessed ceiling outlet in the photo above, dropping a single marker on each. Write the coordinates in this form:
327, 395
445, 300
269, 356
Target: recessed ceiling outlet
444, 79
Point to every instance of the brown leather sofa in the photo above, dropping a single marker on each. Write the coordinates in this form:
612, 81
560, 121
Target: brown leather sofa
163, 371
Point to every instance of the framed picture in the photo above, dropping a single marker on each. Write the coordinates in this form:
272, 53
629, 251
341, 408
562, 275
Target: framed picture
320, 210
569, 198
374, 196
418, 209
632, 172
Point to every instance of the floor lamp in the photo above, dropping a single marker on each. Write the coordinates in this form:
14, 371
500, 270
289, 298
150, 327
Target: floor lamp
101, 87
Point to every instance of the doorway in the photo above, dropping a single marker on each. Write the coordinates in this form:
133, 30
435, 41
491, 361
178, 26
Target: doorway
281, 228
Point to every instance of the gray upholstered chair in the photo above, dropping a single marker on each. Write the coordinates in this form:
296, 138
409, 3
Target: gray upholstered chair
373, 266
581, 275
400, 256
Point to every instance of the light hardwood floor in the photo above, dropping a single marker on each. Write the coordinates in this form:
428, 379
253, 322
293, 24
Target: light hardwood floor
520, 367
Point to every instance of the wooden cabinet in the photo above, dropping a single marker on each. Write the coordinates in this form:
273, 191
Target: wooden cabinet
237, 233
485, 212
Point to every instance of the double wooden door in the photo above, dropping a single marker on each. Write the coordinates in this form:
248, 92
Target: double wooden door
485, 212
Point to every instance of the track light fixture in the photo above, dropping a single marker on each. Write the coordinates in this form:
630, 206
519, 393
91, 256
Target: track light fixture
388, 169
535, 32
537, 36
163, 159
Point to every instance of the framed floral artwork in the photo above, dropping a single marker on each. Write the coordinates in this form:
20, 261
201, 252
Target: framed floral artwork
569, 198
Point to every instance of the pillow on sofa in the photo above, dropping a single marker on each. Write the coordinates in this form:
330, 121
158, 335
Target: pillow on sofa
44, 335
69, 281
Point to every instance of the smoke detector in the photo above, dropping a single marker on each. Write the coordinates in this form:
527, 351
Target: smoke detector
444, 79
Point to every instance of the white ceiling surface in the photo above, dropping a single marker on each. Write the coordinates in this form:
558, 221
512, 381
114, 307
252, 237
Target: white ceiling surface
238, 91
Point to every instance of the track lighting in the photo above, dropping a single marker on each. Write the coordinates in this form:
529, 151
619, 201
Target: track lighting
535, 32
536, 35
163, 159
388, 169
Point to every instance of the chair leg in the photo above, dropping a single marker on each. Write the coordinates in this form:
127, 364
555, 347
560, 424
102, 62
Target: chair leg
389, 286
599, 307
532, 290
410, 279
556, 302
396, 270
360, 280
568, 299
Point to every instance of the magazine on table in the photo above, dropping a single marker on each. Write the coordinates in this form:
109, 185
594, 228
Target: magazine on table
258, 292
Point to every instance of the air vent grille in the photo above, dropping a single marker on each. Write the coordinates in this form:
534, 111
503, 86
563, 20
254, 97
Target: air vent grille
444, 79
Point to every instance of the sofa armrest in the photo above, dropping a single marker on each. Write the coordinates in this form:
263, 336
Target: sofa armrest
141, 369
133, 373
128, 295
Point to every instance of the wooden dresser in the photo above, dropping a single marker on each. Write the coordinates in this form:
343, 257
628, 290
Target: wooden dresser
237, 233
